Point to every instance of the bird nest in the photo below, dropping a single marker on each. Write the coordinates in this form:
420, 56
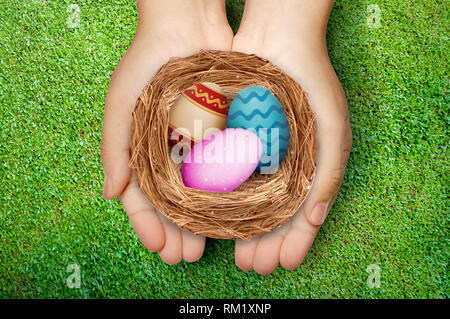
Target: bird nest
264, 201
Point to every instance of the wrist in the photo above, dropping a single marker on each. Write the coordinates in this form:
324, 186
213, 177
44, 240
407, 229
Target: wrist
307, 17
192, 11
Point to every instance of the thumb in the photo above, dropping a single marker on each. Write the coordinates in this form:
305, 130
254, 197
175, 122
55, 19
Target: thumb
334, 145
115, 147
127, 82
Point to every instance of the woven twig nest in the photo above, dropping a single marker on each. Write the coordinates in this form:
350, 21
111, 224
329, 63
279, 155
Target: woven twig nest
263, 202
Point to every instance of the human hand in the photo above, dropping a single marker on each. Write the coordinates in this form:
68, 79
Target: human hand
291, 34
165, 29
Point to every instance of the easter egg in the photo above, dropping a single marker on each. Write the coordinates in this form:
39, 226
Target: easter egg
201, 110
256, 108
222, 161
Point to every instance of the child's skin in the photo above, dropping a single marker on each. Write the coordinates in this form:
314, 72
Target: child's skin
291, 34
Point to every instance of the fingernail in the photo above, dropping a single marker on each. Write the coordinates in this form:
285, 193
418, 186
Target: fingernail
319, 213
107, 187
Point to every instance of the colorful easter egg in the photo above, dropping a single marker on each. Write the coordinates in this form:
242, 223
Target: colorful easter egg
256, 108
201, 110
222, 161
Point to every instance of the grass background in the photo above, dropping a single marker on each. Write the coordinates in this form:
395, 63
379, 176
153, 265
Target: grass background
391, 211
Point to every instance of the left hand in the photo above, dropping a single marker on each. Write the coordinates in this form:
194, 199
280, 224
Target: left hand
306, 61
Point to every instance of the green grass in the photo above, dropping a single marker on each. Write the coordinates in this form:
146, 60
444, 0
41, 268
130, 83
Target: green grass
391, 211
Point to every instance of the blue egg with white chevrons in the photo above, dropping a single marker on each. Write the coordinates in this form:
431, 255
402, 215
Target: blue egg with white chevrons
256, 108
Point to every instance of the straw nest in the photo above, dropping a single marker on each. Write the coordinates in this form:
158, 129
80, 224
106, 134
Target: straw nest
263, 202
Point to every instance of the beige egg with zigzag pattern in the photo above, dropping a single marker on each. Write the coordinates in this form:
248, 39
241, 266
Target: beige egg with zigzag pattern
200, 111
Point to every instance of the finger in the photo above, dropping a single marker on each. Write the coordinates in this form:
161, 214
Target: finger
172, 251
244, 252
143, 217
267, 253
193, 246
297, 241
127, 82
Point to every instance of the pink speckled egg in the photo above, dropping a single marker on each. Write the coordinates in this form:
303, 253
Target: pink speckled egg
222, 161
